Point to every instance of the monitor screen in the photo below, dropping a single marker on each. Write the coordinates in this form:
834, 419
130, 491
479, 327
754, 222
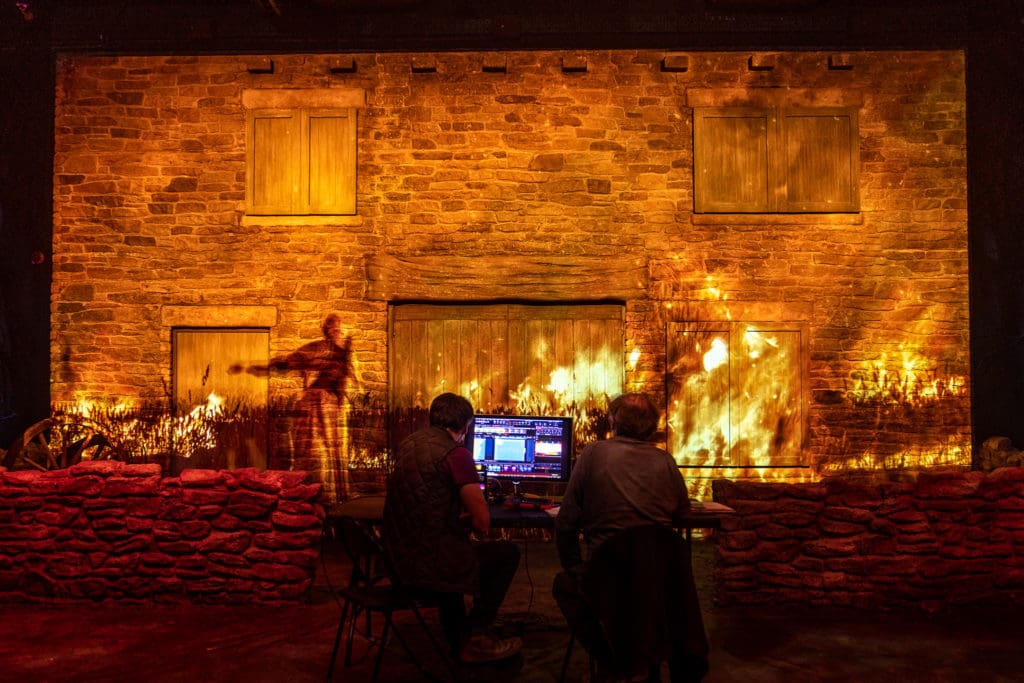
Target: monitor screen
522, 447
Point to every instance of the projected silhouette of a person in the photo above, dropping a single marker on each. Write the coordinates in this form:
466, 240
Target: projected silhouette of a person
320, 433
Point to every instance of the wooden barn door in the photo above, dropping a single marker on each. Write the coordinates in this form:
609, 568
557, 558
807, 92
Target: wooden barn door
534, 359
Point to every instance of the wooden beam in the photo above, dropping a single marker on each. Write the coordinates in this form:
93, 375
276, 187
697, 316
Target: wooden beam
474, 278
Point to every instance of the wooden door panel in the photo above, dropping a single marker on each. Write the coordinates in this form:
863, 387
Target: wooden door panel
505, 357
735, 394
202, 359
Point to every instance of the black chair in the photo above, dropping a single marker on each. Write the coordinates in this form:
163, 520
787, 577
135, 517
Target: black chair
371, 590
638, 587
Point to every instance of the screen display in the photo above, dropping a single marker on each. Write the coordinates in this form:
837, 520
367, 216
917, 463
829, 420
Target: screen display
522, 447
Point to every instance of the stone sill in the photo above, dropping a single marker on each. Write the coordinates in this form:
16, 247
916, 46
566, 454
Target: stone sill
778, 218
289, 221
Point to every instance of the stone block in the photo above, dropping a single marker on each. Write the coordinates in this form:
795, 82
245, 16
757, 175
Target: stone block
280, 540
247, 511
173, 510
848, 514
832, 527
242, 497
737, 540
204, 496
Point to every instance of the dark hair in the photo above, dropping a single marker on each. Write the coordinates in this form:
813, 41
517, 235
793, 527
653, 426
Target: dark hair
635, 416
450, 411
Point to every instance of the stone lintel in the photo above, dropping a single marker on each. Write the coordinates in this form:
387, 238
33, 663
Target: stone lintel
774, 97
218, 316
295, 98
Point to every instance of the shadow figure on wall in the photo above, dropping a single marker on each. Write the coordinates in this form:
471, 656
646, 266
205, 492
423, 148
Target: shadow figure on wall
321, 430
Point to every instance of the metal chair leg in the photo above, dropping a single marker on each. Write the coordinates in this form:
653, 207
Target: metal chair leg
337, 643
568, 655
380, 647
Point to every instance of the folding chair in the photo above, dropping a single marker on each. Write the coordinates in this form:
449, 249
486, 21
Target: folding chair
639, 587
371, 589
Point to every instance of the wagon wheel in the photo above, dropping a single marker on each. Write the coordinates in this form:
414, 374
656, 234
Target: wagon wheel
56, 443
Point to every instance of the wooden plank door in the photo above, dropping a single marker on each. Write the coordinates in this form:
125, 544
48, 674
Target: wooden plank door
736, 394
530, 359
221, 417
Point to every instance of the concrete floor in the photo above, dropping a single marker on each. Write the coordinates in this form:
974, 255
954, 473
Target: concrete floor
212, 644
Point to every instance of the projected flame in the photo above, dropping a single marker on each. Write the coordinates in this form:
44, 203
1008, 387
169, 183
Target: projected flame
582, 391
910, 414
736, 398
148, 433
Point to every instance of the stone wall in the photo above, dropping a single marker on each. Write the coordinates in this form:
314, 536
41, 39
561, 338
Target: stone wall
106, 530
942, 538
522, 155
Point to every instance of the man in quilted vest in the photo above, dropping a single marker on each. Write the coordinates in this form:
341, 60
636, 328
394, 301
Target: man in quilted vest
433, 504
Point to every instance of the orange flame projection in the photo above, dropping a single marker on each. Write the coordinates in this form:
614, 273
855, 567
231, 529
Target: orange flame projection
910, 379
582, 391
736, 398
903, 400
145, 433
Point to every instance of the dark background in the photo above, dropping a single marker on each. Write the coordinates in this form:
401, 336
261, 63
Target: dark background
991, 32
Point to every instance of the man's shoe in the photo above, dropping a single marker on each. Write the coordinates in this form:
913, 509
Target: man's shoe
486, 648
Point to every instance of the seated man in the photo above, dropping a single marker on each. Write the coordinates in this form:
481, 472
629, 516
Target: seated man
617, 484
433, 502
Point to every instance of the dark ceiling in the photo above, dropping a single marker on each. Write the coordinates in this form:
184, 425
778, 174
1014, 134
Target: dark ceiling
150, 26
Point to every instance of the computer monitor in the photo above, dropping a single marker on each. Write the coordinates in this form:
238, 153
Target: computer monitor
522, 447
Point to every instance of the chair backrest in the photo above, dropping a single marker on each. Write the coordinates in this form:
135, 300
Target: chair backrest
640, 585
363, 548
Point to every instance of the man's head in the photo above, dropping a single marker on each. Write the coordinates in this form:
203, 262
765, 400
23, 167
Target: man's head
332, 327
452, 412
634, 416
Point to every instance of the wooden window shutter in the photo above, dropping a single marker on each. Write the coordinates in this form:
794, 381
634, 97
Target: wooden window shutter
301, 162
731, 160
273, 160
821, 151
331, 161
765, 160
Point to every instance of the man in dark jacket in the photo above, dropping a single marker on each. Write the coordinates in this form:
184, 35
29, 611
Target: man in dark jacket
433, 503
622, 483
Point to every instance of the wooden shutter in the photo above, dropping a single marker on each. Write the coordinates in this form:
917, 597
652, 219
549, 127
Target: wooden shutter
331, 162
301, 162
753, 160
201, 362
273, 156
730, 150
821, 151
736, 394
